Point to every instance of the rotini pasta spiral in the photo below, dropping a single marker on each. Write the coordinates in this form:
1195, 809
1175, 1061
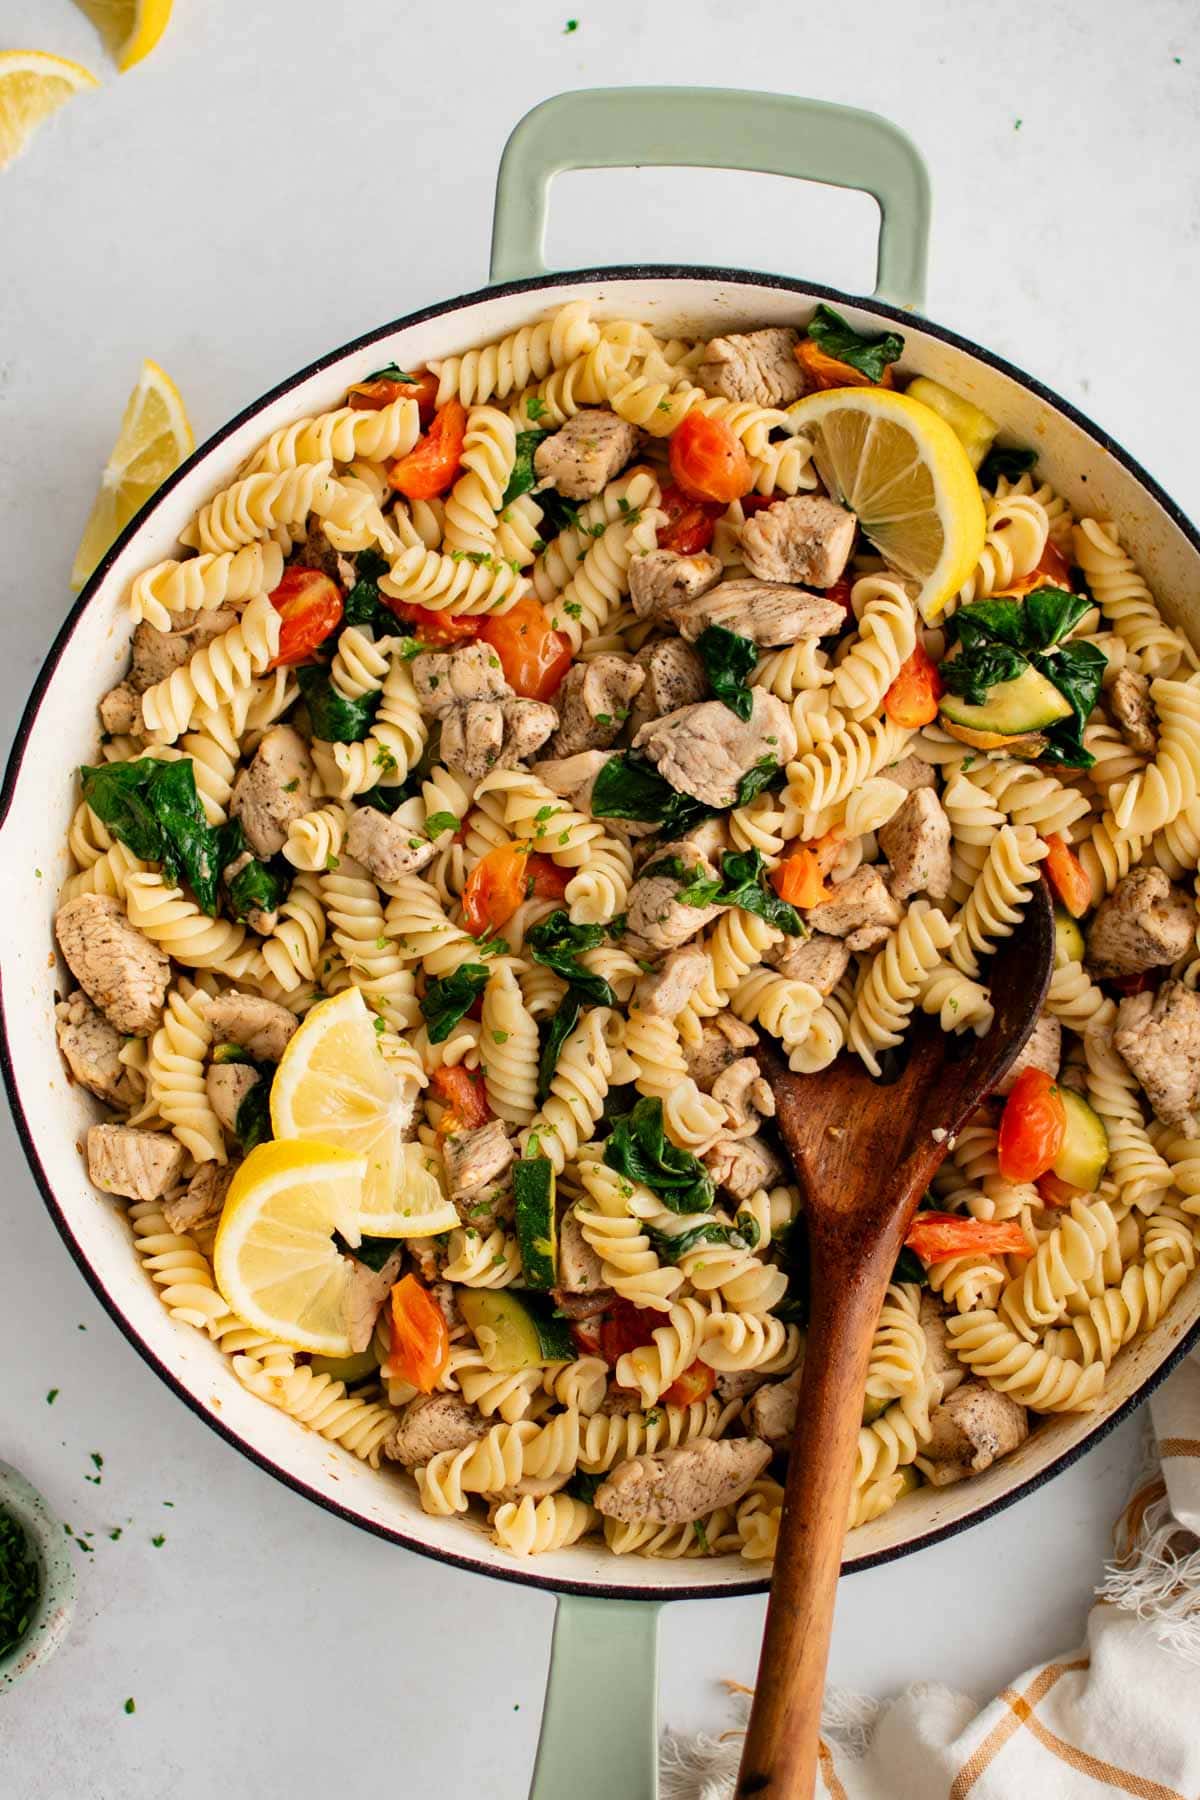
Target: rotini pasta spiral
177, 926
1125, 599
474, 502
314, 840
343, 436
514, 361
509, 1049
577, 1089
175, 1074
887, 634
894, 980
360, 932
1001, 892
440, 583
203, 583
530, 1527
1157, 796
212, 676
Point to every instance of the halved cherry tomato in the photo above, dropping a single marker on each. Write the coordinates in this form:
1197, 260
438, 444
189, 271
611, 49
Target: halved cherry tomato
1032, 1126
310, 607
466, 1099
839, 591
912, 699
708, 461
690, 523
826, 371
1056, 1192
500, 881
695, 1383
585, 1335
381, 390
534, 658
1141, 983
431, 467
1068, 877
934, 1236
432, 627
420, 1338
545, 880
626, 1327
1050, 570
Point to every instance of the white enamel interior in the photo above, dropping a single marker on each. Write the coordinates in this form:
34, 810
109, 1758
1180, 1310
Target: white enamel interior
33, 861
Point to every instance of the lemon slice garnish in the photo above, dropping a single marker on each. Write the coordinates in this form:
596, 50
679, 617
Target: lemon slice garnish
32, 86
155, 437
903, 470
130, 28
274, 1258
333, 1085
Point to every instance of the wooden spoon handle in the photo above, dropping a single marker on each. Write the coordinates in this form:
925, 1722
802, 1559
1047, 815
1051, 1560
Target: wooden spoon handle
782, 1743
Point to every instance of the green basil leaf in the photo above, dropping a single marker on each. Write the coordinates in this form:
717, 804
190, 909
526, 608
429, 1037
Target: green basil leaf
558, 944
446, 1001
1051, 614
728, 662
837, 337
639, 1149
558, 1030
523, 476
334, 718
1006, 460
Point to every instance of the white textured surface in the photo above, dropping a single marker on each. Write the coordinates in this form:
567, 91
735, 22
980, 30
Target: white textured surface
261, 190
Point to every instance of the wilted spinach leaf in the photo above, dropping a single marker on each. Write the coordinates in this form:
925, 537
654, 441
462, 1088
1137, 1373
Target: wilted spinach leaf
363, 604
640, 1149
446, 1001
334, 718
253, 1123
728, 660
557, 944
153, 809
1007, 460
838, 338
523, 475
558, 1031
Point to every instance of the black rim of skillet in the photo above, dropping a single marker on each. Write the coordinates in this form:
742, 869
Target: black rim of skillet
615, 1590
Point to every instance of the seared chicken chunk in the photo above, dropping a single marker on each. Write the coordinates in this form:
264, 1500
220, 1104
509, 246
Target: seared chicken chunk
572, 778
91, 1047
1042, 1049
121, 709
474, 1158
746, 1097
1130, 704
661, 579
1144, 923
859, 909
227, 1085
771, 1414
582, 458
444, 680
767, 612
807, 539
682, 1484
759, 366
580, 1270
114, 963
674, 677
489, 734
819, 960
199, 1206
911, 773
656, 919
139, 1165
744, 1165
430, 1423
1159, 1037
261, 1027
916, 842
723, 1041
387, 847
593, 703
705, 750
969, 1431
939, 1351
364, 1297
157, 654
667, 989
274, 790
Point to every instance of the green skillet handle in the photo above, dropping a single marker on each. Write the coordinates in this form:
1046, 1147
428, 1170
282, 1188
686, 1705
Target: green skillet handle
599, 1737
715, 128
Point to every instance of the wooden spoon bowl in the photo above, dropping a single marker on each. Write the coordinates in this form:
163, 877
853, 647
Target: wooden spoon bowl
864, 1152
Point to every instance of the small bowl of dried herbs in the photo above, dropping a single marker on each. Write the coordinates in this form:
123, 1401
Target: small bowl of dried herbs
37, 1579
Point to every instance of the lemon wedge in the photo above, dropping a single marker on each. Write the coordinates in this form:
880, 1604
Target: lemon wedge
333, 1085
130, 28
903, 470
32, 86
274, 1258
155, 437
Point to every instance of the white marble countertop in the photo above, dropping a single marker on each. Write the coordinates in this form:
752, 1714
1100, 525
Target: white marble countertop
274, 180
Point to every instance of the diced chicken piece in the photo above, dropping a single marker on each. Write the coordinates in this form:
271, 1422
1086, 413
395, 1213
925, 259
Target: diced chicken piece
91, 1047
156, 654
916, 842
274, 790
114, 963
742, 1166
593, 703
807, 539
475, 1157
386, 846
582, 457
661, 579
484, 1207
674, 677
491, 734
580, 1270
572, 778
364, 1297
771, 1414
911, 773
738, 1384
666, 991
139, 1165
430, 1423
1130, 704
939, 1351
682, 1484
767, 612
200, 1204
746, 1097
314, 551
1042, 1049
581, 1305
121, 709
969, 1431
723, 1041
705, 750
619, 1402
261, 1027
759, 366
444, 680
1144, 923
445, 1294
227, 1085
819, 960
655, 919
1159, 1037
859, 909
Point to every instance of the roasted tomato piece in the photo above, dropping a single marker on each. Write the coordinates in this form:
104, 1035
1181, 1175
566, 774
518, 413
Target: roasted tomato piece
1032, 1126
825, 371
912, 699
690, 523
533, 656
432, 627
310, 607
420, 1338
626, 1327
380, 390
708, 461
1068, 877
695, 1383
935, 1236
466, 1099
432, 465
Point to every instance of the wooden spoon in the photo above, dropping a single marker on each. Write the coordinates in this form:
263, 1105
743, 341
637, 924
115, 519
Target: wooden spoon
864, 1151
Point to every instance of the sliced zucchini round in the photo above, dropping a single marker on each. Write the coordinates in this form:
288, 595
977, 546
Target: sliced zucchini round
1083, 1158
515, 1332
1069, 943
537, 1226
1027, 703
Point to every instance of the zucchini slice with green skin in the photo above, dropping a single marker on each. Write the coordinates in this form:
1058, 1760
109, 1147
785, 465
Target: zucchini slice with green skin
515, 1332
1083, 1157
1012, 708
537, 1226
347, 1368
1068, 939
